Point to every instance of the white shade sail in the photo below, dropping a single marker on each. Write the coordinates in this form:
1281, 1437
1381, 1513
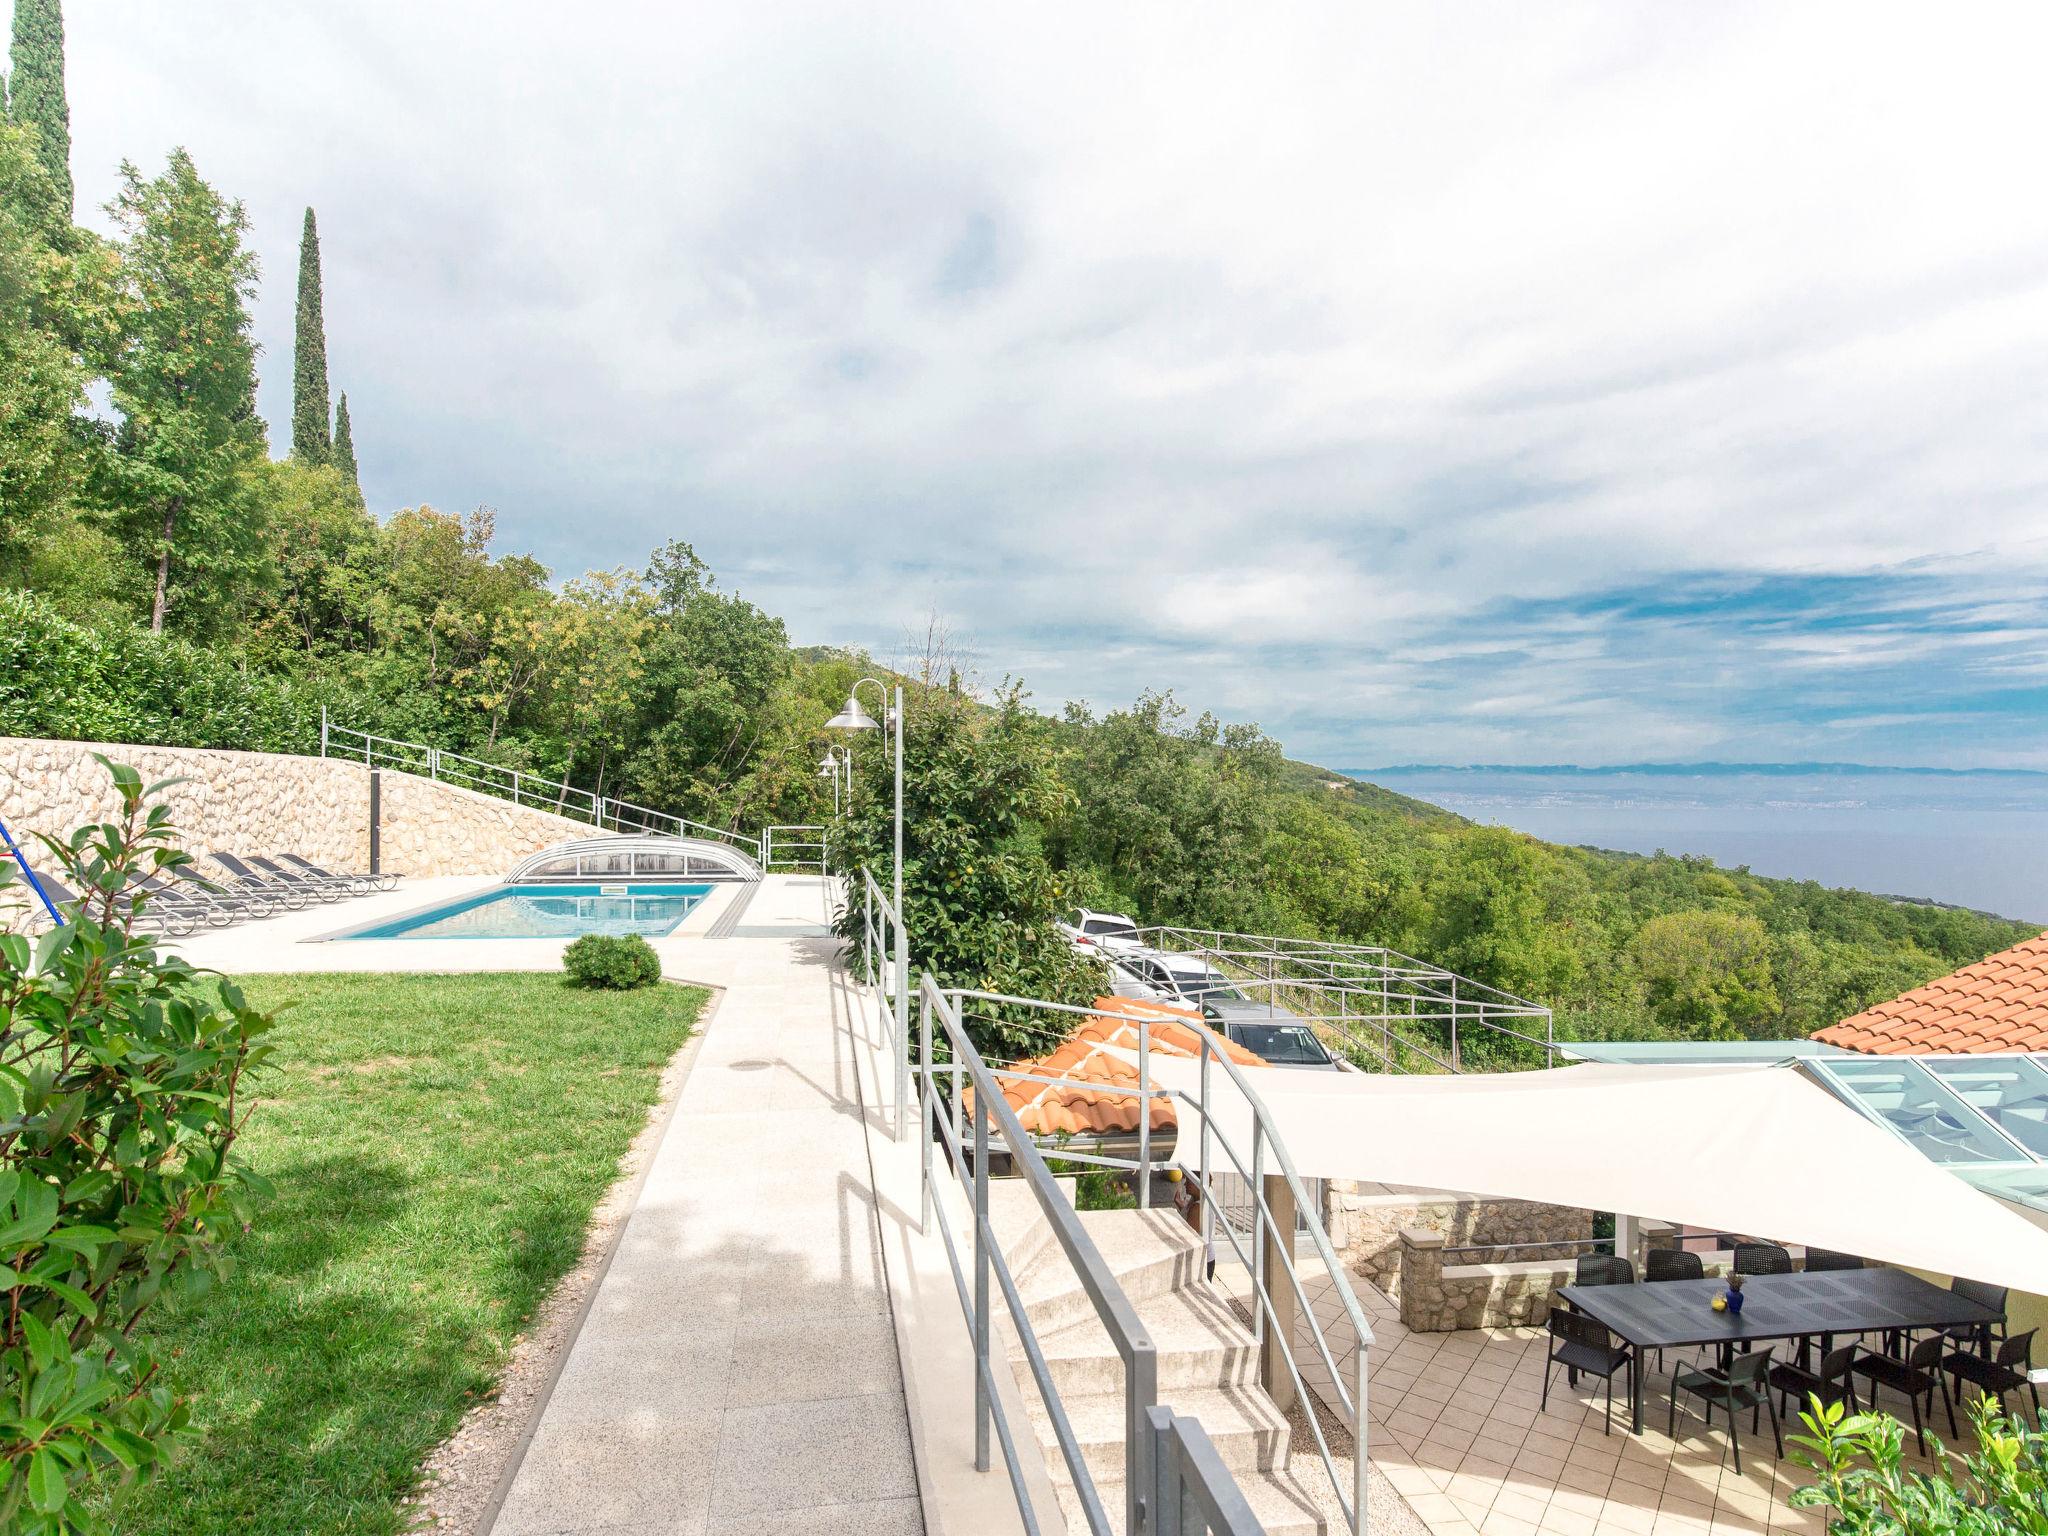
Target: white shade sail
1760, 1150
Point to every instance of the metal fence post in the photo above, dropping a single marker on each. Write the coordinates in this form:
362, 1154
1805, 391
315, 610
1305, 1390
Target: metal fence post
1457, 1064
1166, 1490
1141, 1395
1358, 1447
981, 1269
1208, 1168
323, 730
924, 1108
1144, 1114
1258, 1243
902, 1040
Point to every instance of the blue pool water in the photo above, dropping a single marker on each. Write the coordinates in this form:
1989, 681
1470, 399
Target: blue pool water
548, 912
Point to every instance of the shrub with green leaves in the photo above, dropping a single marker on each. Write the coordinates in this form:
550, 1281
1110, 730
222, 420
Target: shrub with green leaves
2000, 1489
619, 962
122, 1092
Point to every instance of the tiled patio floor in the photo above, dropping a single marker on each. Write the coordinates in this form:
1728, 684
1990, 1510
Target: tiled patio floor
1458, 1427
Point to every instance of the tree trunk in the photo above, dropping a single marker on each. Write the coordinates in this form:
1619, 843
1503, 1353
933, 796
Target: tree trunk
163, 567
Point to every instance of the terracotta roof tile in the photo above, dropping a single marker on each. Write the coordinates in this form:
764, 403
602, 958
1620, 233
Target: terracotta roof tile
1998, 1004
1080, 1105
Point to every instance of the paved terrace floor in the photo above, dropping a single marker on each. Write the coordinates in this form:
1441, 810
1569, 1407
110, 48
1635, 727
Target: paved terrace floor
737, 1373
1459, 1427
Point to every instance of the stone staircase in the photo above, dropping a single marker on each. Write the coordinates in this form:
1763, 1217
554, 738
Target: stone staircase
1208, 1362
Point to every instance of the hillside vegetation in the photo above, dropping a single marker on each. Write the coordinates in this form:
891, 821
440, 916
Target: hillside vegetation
164, 579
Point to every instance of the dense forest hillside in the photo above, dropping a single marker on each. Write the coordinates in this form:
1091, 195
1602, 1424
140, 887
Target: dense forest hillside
165, 578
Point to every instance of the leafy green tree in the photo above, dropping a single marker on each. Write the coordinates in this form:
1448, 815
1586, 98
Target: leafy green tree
35, 90
979, 898
1177, 817
323, 549
1708, 974
1492, 902
344, 449
123, 1089
715, 665
309, 355
182, 477
42, 383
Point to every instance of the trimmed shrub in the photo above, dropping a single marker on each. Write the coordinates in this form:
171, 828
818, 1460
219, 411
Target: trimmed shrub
618, 962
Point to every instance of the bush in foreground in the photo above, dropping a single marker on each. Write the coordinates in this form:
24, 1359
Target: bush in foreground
616, 962
1859, 1461
122, 1093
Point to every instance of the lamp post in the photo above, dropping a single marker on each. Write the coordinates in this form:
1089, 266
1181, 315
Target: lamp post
828, 768
854, 718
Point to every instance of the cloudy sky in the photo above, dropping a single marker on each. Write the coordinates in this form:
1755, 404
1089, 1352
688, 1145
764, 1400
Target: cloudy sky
1430, 384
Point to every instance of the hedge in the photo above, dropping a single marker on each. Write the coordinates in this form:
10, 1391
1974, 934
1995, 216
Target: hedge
72, 682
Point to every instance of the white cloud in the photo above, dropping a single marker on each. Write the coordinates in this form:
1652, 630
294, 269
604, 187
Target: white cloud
1279, 354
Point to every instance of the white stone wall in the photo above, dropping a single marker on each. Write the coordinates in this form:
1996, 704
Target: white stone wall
263, 802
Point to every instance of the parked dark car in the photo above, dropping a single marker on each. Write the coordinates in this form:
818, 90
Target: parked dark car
1269, 1031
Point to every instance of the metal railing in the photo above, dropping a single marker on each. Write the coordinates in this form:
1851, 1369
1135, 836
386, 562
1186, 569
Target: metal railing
885, 965
1268, 1242
793, 850
1392, 1011
1174, 1482
534, 791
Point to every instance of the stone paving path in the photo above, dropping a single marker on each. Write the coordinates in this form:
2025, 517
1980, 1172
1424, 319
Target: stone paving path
737, 1374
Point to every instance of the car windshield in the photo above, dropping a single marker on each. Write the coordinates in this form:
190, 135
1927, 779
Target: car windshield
1285, 1045
1109, 927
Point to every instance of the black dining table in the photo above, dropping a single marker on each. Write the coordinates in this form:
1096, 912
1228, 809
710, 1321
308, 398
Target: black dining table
1676, 1314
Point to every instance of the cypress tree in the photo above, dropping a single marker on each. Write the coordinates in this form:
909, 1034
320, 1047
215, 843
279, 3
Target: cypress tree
36, 88
344, 453
309, 357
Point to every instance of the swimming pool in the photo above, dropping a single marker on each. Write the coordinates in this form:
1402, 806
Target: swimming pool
547, 912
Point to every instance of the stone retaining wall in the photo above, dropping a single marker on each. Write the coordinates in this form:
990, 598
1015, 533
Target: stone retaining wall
1365, 1222
263, 802
1437, 1297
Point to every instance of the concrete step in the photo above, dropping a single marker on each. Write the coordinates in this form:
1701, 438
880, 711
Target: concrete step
1278, 1499
1249, 1433
1200, 1342
1149, 1253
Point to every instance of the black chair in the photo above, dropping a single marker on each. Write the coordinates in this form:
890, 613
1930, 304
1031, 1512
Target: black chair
2007, 1373
1762, 1259
1818, 1259
1915, 1377
1580, 1343
1673, 1264
1983, 1334
1603, 1269
1745, 1384
1834, 1382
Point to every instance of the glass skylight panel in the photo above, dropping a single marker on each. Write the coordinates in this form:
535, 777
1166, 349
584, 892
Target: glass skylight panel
2009, 1091
1912, 1102
2026, 1186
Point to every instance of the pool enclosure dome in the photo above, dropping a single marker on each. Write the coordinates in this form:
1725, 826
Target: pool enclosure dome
636, 857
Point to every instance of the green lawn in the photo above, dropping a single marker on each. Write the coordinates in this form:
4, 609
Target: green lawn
438, 1143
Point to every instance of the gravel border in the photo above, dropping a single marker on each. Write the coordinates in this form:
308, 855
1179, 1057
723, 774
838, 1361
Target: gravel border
464, 1479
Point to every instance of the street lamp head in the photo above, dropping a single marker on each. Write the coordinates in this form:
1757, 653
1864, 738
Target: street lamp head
828, 764
852, 718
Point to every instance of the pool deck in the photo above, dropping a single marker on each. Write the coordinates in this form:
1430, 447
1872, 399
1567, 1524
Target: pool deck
738, 1372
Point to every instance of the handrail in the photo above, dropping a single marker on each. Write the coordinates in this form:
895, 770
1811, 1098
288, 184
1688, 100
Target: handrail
1335, 986
1113, 1309
884, 935
534, 791
1265, 1135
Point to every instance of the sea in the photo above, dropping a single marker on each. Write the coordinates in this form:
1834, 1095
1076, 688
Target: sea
1975, 839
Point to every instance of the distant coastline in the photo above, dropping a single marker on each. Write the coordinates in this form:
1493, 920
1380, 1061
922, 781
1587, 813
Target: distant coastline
1962, 837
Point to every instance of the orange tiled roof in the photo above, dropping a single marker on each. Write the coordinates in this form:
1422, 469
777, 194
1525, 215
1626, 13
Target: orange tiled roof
1091, 1106
1998, 1004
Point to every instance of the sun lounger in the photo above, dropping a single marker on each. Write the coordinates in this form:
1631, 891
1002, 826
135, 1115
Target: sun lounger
247, 879
327, 886
383, 881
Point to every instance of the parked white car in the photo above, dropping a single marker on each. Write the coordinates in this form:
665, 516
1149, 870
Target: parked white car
1101, 934
1161, 977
